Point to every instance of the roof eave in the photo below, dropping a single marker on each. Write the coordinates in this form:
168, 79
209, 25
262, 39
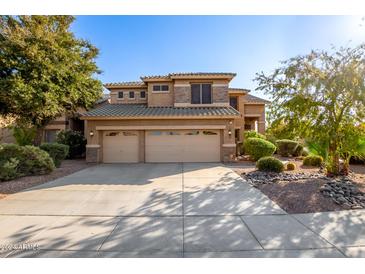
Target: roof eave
155, 79
85, 117
205, 77
257, 103
110, 87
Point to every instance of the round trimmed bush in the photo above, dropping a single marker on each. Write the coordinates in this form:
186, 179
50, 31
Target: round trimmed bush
75, 140
291, 166
270, 164
257, 148
58, 152
286, 147
313, 160
17, 161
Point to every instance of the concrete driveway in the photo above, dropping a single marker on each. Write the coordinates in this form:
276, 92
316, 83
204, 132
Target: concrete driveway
165, 210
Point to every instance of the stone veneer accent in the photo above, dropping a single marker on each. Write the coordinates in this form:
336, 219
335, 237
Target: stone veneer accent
228, 154
220, 94
92, 154
182, 94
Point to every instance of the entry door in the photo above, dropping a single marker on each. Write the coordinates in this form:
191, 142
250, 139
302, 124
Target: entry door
120, 147
183, 146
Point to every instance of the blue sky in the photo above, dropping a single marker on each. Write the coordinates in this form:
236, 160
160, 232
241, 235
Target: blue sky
132, 46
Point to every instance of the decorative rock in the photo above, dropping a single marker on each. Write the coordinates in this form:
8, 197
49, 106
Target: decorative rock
341, 190
344, 192
341, 200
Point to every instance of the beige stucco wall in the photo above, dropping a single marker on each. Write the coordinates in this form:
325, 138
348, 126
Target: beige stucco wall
257, 111
240, 122
126, 100
96, 143
254, 109
6, 136
160, 98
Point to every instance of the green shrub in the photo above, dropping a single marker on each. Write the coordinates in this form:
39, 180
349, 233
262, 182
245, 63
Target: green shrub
37, 161
313, 160
298, 151
286, 147
74, 140
58, 152
270, 164
8, 169
18, 161
291, 166
24, 136
271, 139
257, 148
252, 134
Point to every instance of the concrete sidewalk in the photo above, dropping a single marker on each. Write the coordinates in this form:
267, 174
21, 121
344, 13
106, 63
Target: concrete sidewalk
168, 210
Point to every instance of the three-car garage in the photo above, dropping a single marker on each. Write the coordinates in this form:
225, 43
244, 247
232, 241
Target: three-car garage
195, 145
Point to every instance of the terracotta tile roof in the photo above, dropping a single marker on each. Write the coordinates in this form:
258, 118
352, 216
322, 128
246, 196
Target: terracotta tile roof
203, 74
138, 110
168, 76
171, 75
253, 99
117, 84
239, 90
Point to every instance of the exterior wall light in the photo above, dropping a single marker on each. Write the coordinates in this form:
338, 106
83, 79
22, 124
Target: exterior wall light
229, 132
91, 133
230, 122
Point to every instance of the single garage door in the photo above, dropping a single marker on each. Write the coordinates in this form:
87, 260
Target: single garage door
120, 147
183, 146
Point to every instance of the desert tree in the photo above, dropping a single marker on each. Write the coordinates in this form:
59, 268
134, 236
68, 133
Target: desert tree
321, 96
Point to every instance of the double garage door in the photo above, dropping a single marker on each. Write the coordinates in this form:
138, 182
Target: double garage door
162, 146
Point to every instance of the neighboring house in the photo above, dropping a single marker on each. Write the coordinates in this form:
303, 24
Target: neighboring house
179, 117
50, 131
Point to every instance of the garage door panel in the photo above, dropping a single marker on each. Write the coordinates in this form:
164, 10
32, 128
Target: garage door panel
183, 146
120, 147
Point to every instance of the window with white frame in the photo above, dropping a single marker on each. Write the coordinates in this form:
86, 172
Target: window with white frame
131, 95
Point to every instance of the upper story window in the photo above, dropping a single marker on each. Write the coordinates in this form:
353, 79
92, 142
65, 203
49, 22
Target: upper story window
131, 95
120, 94
201, 93
142, 94
160, 88
233, 102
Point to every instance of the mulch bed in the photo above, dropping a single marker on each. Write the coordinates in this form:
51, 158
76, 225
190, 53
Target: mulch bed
67, 167
301, 196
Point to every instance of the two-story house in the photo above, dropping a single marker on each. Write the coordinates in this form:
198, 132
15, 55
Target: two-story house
179, 117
